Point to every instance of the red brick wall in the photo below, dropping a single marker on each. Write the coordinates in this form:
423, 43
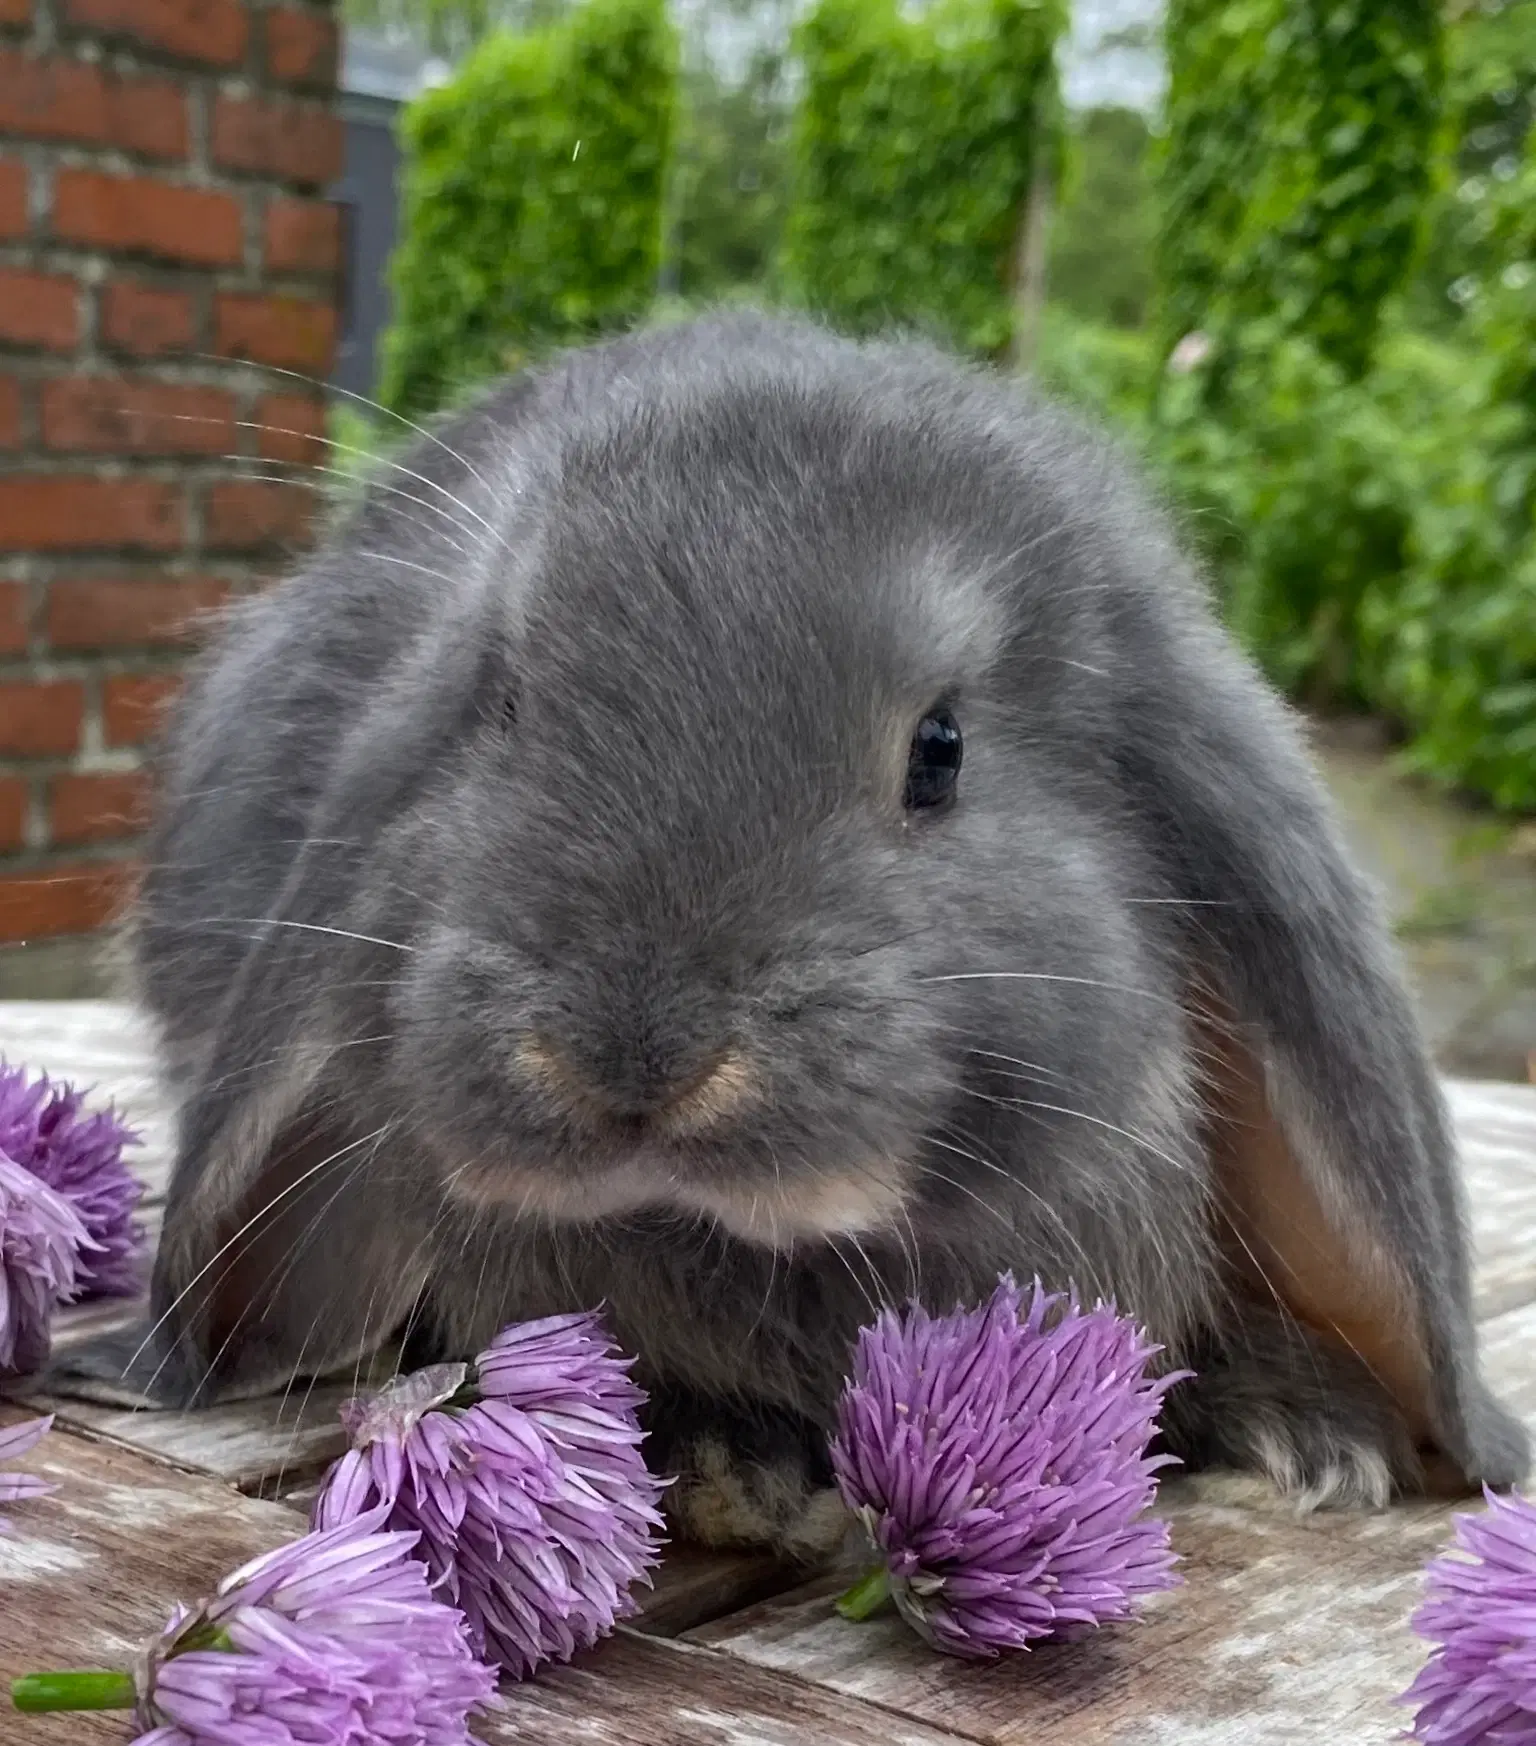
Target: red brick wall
161, 238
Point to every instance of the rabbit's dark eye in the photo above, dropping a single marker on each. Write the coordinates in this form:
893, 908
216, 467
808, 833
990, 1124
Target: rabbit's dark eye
933, 765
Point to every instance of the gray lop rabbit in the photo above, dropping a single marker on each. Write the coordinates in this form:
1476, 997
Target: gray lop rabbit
740, 826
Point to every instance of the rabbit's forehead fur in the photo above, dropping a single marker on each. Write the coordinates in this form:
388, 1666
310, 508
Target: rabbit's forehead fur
688, 944
746, 619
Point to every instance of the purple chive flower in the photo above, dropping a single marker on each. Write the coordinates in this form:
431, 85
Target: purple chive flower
41, 1244
336, 1638
522, 1473
1478, 1688
44, 1128
998, 1460
16, 1440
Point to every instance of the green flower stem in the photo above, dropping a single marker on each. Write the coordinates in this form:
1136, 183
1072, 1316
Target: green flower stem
204, 1637
868, 1596
37, 1692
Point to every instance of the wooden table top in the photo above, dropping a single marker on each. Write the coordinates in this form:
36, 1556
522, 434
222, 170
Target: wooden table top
1288, 1631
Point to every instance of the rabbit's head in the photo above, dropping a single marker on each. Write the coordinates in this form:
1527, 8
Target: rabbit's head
774, 837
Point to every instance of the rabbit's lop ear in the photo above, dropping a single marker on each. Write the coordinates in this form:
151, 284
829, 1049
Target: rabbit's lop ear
297, 1249
296, 1235
1336, 1184
311, 1267
1287, 1223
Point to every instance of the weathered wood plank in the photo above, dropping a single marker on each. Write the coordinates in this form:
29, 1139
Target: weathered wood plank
249, 1444
637, 1691
92, 1570
694, 1584
1509, 1357
75, 1323
1287, 1633
1496, 1125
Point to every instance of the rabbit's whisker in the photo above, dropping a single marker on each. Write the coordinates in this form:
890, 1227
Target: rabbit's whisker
384, 491
273, 921
1046, 976
1179, 1164
224, 1248
1034, 1068
374, 406
295, 1253
1053, 1214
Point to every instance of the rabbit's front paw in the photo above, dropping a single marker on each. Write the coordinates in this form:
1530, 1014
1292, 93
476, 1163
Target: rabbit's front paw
746, 1474
1312, 1419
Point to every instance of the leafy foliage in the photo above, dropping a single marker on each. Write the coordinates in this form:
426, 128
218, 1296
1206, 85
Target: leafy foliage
1365, 493
914, 145
1333, 222
1458, 642
1303, 496
1372, 541
532, 198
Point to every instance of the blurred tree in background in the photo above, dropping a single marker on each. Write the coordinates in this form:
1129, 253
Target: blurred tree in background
1350, 124
1209, 155
730, 174
1362, 486
1300, 153
1492, 105
1455, 638
1102, 235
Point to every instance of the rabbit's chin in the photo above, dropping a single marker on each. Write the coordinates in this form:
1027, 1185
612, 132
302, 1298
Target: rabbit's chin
774, 1215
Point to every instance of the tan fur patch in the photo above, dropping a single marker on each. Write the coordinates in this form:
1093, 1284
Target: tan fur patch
724, 1503
835, 1204
1284, 1239
710, 1097
724, 1089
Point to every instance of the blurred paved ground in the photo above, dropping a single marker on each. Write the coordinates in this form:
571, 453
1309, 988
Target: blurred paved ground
1462, 889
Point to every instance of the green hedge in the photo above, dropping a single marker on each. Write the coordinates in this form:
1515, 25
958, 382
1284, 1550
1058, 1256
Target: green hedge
1336, 214
913, 149
1491, 96
1301, 143
1210, 154
532, 199
1365, 494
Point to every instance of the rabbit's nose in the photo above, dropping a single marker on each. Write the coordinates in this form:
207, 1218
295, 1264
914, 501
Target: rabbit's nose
672, 1098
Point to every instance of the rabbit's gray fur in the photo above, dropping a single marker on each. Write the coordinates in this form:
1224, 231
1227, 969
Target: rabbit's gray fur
593, 721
